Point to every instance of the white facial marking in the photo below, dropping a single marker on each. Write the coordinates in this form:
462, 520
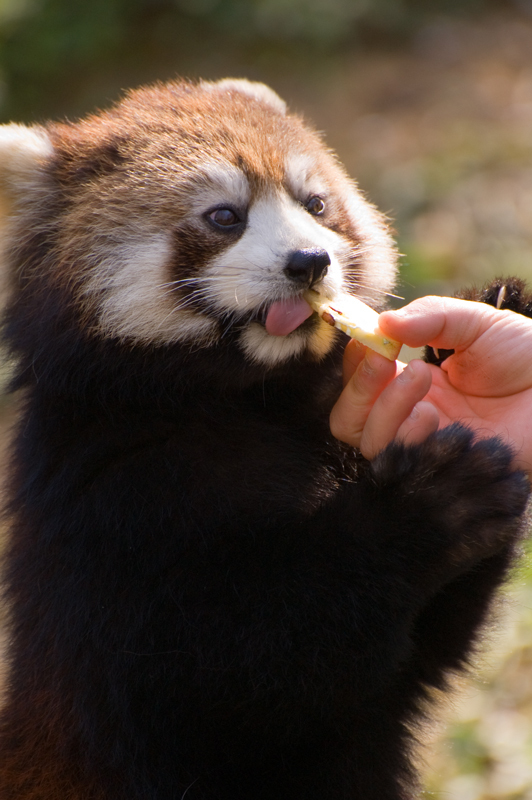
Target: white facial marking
378, 254
302, 176
252, 269
260, 347
131, 283
137, 300
249, 275
219, 183
131, 286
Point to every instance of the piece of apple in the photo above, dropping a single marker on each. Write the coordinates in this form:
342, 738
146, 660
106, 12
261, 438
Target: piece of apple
355, 318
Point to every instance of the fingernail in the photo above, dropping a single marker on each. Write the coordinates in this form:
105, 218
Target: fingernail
353, 351
407, 374
372, 361
399, 312
414, 414
405, 311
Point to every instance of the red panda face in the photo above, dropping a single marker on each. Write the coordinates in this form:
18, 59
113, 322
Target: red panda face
193, 213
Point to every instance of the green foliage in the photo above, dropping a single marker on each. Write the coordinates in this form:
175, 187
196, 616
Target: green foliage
50, 46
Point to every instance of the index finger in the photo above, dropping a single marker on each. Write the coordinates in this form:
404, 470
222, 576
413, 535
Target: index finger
442, 322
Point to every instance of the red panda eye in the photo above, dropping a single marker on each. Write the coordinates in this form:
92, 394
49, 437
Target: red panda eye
315, 206
224, 217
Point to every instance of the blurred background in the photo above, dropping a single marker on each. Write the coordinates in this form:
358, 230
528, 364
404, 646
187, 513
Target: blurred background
429, 105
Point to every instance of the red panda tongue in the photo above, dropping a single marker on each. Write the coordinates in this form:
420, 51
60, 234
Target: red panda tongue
284, 316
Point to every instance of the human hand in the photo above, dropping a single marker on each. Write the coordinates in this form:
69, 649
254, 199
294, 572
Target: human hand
486, 384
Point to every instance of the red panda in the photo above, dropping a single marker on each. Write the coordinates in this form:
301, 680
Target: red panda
209, 596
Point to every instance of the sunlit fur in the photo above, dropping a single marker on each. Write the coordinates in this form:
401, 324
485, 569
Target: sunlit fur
135, 234
209, 596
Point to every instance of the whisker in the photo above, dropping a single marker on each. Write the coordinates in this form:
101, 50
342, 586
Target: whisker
354, 284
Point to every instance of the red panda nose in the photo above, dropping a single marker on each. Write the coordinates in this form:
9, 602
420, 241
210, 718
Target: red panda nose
307, 266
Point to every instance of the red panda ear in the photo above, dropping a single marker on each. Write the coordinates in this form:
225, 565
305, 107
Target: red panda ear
24, 151
24, 184
258, 91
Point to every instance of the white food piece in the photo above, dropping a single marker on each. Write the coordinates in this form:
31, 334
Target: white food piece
355, 318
